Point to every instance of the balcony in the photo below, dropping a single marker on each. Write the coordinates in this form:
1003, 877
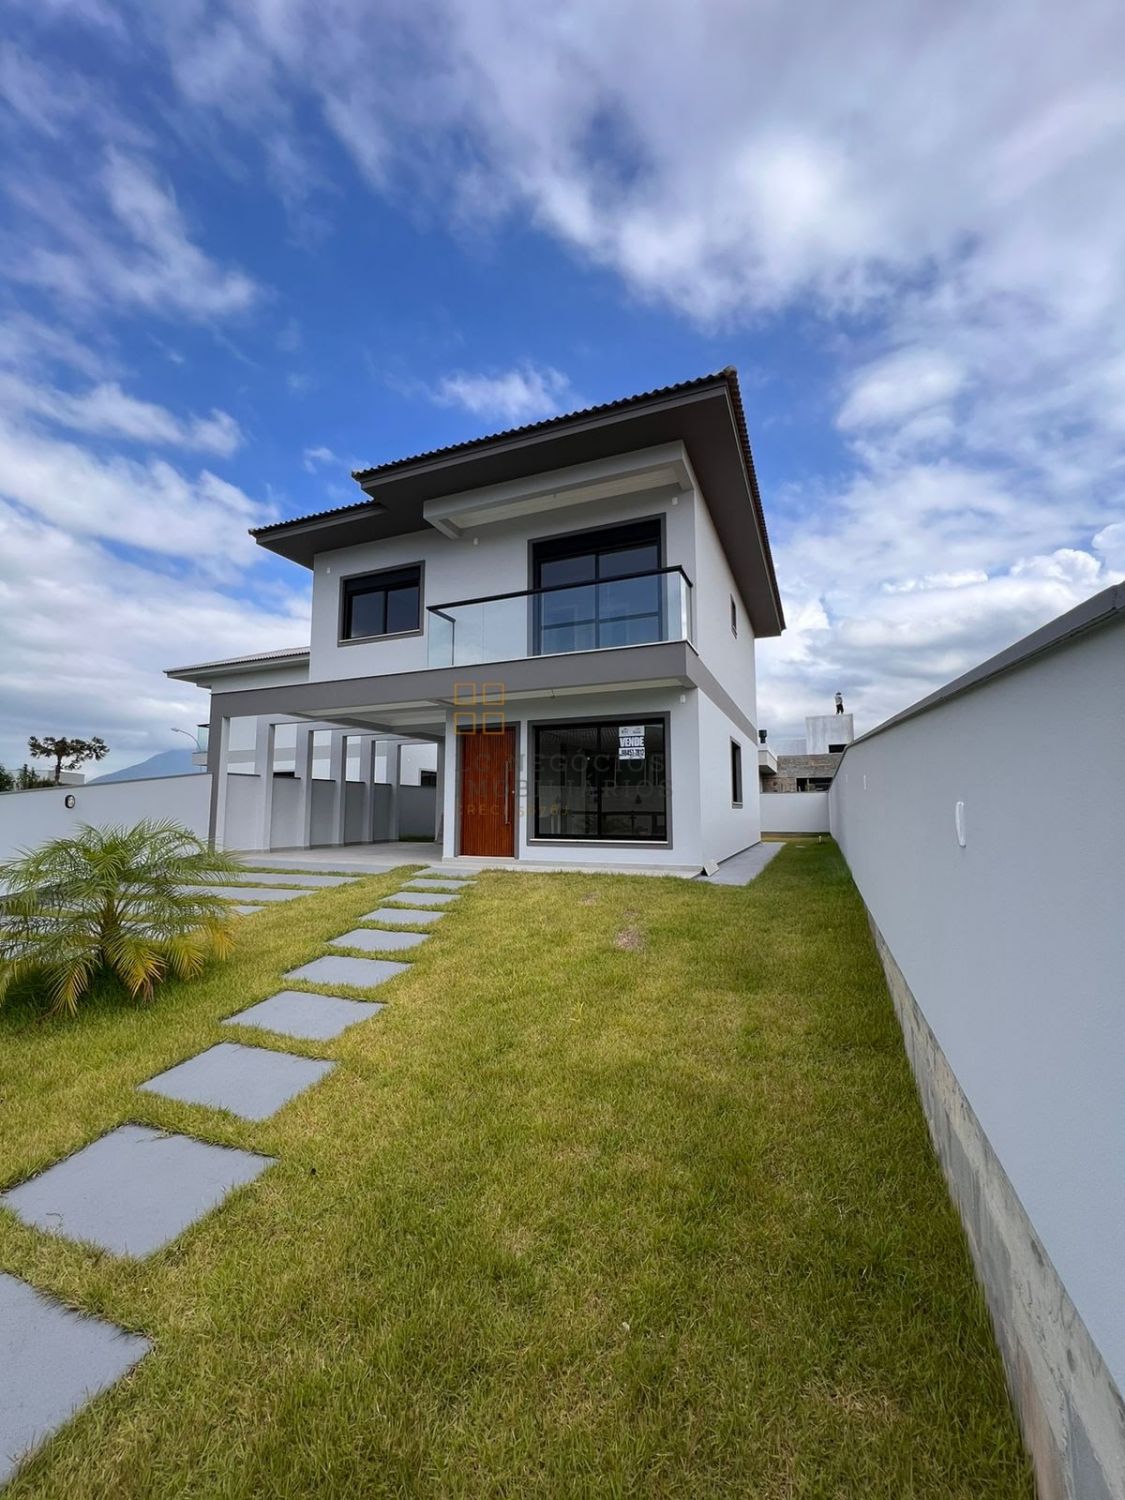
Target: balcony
635, 609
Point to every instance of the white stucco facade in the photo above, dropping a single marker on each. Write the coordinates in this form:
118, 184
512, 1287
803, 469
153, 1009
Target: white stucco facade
475, 551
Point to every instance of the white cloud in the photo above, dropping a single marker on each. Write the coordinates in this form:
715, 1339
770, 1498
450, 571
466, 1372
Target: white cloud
523, 394
147, 504
131, 249
313, 458
870, 614
1110, 543
901, 385
107, 409
85, 638
953, 227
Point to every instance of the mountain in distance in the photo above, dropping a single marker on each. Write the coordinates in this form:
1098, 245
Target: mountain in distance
165, 763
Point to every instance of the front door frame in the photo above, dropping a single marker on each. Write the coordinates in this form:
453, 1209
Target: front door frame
510, 732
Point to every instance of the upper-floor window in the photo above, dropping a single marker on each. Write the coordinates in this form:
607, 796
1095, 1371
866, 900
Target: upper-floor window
386, 603
598, 588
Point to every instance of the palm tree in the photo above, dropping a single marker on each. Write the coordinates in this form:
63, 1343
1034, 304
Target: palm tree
112, 900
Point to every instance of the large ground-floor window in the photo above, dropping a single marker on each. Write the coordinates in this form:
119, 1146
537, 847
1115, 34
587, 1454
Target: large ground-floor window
601, 780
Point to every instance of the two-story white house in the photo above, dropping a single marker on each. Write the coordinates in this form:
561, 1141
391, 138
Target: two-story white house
566, 612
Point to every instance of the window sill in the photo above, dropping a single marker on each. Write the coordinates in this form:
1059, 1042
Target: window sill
366, 640
563, 843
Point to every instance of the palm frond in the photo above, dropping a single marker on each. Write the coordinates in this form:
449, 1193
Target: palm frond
112, 899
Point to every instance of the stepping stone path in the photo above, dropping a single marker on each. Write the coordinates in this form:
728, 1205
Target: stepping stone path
52, 1361
133, 1190
310, 1017
361, 973
252, 889
245, 892
136, 1189
250, 1082
443, 875
374, 941
397, 916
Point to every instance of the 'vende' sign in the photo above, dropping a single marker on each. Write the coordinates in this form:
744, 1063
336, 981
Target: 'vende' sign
631, 742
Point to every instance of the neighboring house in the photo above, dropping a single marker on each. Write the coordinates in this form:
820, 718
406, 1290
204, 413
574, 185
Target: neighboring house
565, 612
827, 736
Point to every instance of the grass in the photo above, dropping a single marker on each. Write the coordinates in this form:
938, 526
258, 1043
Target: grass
625, 1193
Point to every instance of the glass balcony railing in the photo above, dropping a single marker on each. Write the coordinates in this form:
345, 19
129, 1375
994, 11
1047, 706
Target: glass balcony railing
635, 609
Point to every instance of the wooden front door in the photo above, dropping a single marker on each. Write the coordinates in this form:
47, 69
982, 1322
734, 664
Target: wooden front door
488, 792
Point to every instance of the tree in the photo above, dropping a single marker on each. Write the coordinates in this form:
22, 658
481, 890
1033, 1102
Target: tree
74, 752
131, 902
7, 780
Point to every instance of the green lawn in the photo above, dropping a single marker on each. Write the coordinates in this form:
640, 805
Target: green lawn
626, 1193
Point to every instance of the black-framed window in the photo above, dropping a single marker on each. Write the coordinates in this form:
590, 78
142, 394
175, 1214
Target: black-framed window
386, 603
592, 601
733, 617
601, 780
735, 773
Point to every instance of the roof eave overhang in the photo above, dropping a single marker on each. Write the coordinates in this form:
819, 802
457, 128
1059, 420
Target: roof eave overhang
704, 419
203, 674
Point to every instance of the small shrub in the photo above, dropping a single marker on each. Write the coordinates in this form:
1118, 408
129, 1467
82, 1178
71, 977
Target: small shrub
112, 901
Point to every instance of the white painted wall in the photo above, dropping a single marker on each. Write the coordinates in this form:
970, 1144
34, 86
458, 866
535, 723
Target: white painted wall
458, 569
822, 730
357, 810
28, 819
683, 753
1014, 946
725, 829
243, 822
730, 657
287, 823
415, 760
417, 812
794, 812
321, 825
381, 800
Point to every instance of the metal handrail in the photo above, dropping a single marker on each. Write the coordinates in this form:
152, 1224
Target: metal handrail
555, 588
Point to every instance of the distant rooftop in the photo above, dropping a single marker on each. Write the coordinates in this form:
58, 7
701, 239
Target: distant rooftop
232, 663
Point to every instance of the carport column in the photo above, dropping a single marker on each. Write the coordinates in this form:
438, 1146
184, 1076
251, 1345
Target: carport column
394, 779
338, 770
263, 769
439, 793
367, 782
303, 767
449, 790
218, 749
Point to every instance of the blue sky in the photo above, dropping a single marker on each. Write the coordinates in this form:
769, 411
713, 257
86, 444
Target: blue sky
244, 248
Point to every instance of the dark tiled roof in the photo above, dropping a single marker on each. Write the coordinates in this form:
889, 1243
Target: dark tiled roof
730, 375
